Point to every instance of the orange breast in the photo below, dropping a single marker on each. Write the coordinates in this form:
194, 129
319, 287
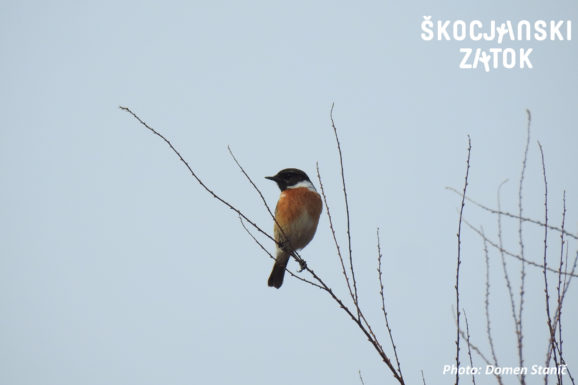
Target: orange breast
298, 212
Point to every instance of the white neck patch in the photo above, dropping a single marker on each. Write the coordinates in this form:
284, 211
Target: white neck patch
304, 183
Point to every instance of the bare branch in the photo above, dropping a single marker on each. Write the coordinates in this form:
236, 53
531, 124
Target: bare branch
273, 258
521, 242
294, 253
360, 377
560, 291
361, 321
459, 261
497, 247
469, 346
203, 185
479, 352
380, 273
253, 184
328, 211
487, 303
360, 315
560, 266
551, 327
513, 216
356, 301
504, 265
321, 284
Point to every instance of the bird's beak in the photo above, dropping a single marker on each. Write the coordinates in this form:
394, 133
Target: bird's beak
274, 179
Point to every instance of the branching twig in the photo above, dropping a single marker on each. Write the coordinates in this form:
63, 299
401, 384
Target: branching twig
557, 319
203, 185
513, 216
478, 351
565, 287
551, 327
474, 347
360, 314
564, 275
497, 247
294, 253
359, 320
273, 258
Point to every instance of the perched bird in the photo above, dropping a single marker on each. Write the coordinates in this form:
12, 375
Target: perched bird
297, 212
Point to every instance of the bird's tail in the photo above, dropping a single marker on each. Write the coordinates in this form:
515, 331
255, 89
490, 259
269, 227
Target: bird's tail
278, 272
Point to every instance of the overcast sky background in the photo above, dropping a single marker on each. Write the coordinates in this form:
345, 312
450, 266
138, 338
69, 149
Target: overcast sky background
117, 268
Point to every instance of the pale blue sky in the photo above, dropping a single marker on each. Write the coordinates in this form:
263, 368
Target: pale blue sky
117, 268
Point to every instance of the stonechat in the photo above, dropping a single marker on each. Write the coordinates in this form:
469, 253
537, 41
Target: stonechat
297, 213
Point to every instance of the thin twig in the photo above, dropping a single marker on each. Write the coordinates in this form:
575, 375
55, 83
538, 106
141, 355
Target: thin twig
359, 323
360, 314
523, 266
356, 319
558, 322
356, 301
328, 211
558, 319
570, 375
479, 352
469, 348
459, 261
273, 258
497, 247
368, 326
360, 377
565, 289
370, 336
252, 183
510, 215
294, 253
551, 327
503, 259
380, 273
203, 185
487, 306
474, 347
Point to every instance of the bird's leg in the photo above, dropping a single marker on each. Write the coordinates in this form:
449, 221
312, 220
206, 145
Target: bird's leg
284, 245
302, 264
301, 261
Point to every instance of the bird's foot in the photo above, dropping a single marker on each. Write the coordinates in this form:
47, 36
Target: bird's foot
302, 265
